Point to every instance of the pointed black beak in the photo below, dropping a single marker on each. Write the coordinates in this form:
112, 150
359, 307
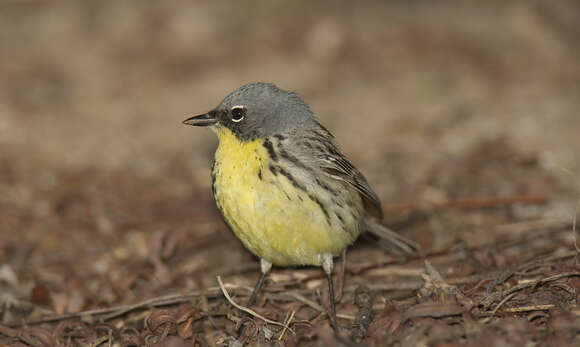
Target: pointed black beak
202, 120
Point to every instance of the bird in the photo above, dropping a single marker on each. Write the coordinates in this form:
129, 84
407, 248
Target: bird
284, 187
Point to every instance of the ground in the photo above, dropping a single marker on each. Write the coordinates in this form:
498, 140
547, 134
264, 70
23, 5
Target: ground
463, 116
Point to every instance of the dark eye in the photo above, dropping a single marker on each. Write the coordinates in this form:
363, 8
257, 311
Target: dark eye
238, 113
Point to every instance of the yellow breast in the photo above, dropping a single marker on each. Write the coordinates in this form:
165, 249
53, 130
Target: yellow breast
273, 218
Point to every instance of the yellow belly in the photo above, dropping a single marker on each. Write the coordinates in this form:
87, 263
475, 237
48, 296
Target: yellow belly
275, 220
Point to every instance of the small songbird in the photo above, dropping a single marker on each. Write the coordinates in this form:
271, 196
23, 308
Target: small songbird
282, 184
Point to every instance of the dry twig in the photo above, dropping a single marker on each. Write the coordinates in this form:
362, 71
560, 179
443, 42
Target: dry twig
286, 324
245, 309
117, 311
469, 203
488, 300
530, 308
506, 299
299, 297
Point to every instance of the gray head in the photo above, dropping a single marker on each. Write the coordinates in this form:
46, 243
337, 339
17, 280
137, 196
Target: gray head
258, 110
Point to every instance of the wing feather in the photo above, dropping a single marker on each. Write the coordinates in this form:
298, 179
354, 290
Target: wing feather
324, 154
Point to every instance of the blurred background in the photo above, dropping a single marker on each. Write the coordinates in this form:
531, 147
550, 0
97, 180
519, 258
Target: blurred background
102, 189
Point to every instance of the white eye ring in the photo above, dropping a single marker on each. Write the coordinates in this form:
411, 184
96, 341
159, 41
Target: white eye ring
238, 113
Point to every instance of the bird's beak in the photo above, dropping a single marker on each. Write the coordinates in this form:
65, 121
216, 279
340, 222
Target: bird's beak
202, 120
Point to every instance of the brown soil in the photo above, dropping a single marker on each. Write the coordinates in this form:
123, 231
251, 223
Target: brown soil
464, 116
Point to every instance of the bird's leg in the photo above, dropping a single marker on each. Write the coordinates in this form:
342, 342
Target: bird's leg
265, 266
327, 265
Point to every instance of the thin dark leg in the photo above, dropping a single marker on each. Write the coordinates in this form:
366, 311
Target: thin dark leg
265, 266
332, 303
327, 265
257, 289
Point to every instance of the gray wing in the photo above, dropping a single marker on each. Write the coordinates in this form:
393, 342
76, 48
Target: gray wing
324, 154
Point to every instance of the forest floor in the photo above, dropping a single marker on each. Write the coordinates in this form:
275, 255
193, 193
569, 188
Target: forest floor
470, 118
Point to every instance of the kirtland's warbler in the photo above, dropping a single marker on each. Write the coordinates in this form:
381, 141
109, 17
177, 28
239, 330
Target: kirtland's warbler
282, 184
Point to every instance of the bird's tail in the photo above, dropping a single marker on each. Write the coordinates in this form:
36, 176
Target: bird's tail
391, 241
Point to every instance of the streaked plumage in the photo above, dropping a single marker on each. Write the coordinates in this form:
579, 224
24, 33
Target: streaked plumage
282, 184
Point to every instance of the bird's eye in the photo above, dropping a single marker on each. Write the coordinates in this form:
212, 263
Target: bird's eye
238, 113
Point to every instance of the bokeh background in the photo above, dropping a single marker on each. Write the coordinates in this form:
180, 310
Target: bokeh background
104, 194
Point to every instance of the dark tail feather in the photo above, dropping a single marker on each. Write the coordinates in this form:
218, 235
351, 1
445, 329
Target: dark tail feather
391, 241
